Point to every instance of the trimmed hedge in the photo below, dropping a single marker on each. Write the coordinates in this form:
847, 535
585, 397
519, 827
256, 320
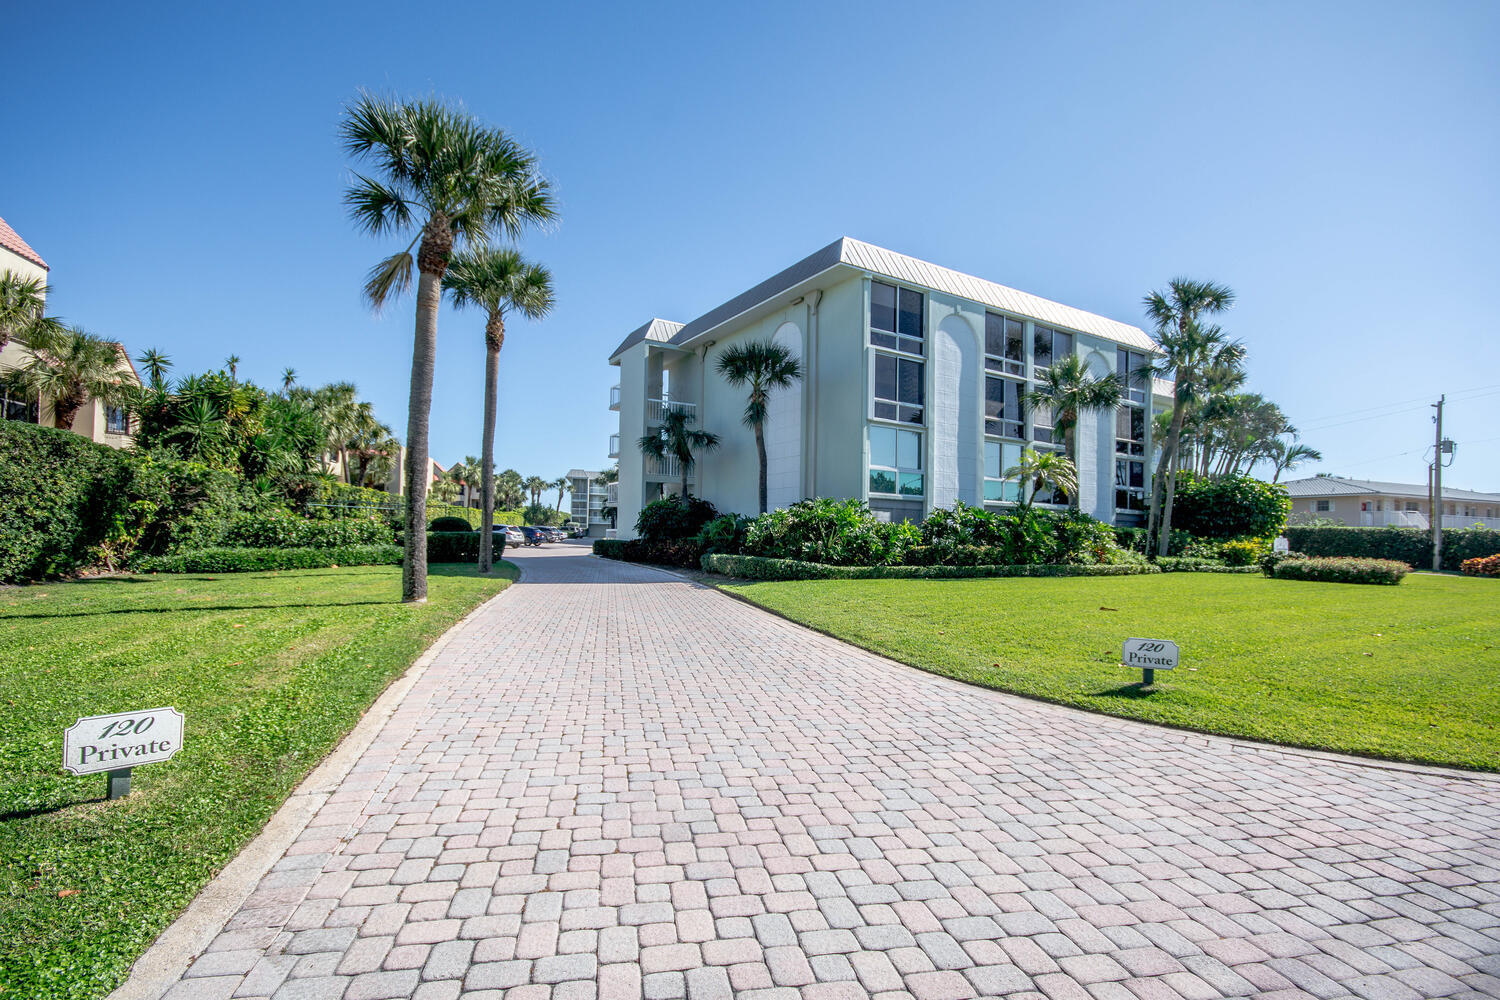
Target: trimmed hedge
450, 523
683, 552
458, 546
1184, 564
763, 568
674, 517
262, 560
1342, 569
1412, 546
281, 529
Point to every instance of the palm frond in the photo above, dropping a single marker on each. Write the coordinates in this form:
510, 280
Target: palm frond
389, 279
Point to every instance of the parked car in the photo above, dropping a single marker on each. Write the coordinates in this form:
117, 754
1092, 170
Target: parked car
557, 534
514, 537
534, 535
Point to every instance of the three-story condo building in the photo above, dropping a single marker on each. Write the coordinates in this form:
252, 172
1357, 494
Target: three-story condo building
911, 396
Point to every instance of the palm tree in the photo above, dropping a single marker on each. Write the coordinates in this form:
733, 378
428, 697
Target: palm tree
1287, 455
534, 486
288, 378
496, 281
1067, 390
233, 364
562, 484
1038, 468
764, 366
675, 438
1190, 352
22, 301
448, 180
69, 366
157, 365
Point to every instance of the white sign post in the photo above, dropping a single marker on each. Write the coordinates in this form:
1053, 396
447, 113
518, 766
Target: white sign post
118, 742
1150, 655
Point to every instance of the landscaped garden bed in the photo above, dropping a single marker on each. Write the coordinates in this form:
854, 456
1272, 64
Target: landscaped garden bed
270, 670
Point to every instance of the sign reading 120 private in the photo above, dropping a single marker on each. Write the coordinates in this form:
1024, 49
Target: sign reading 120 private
122, 740
1150, 654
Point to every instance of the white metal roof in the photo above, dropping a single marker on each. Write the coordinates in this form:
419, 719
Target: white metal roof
656, 329
1330, 486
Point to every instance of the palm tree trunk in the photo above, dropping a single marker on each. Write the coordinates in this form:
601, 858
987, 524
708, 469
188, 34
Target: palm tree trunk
487, 451
760, 450
418, 412
1169, 457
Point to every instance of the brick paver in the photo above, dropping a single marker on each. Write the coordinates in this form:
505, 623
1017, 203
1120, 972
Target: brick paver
614, 783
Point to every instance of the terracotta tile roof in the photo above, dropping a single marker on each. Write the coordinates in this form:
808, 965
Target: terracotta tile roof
11, 240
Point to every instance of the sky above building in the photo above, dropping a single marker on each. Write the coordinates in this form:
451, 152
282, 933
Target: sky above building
178, 167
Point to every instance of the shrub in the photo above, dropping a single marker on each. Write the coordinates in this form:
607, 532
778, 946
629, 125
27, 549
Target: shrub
661, 551
1412, 546
540, 513
725, 533
218, 560
1229, 507
1135, 539
1271, 560
1242, 551
610, 548
1482, 566
836, 532
281, 529
457, 546
674, 517
1342, 569
1188, 564
762, 568
450, 523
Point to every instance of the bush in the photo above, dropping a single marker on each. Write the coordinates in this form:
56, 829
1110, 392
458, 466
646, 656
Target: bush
683, 552
725, 533
1482, 566
1188, 564
1412, 546
1342, 569
1229, 507
1135, 539
1271, 560
539, 513
674, 517
281, 529
836, 532
762, 568
1242, 551
610, 548
450, 523
260, 560
457, 546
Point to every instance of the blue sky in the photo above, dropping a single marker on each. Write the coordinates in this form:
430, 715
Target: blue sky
1334, 163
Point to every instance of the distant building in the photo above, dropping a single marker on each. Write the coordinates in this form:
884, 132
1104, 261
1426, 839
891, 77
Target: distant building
96, 421
1367, 503
589, 501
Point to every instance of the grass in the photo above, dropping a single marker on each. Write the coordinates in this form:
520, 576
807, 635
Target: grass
1406, 673
270, 670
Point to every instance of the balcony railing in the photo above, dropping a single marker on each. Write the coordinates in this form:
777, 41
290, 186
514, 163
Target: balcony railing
656, 409
614, 397
666, 467
614, 446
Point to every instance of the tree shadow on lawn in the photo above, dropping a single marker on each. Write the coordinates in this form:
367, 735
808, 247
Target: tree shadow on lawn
204, 608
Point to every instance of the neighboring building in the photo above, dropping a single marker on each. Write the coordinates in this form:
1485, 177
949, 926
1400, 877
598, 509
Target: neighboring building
396, 485
910, 399
1365, 503
105, 424
589, 500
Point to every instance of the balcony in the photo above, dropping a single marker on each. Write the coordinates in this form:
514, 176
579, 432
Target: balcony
656, 409
614, 446
666, 467
614, 397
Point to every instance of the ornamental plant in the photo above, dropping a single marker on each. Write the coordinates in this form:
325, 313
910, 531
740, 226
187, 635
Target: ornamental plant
1482, 566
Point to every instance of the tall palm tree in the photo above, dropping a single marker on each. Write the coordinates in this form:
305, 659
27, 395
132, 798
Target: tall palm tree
69, 366
1038, 468
676, 439
233, 364
22, 301
1067, 390
157, 365
448, 181
562, 484
764, 366
288, 378
496, 280
534, 486
1191, 350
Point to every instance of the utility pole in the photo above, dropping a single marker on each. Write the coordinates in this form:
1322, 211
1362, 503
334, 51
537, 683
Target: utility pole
1437, 488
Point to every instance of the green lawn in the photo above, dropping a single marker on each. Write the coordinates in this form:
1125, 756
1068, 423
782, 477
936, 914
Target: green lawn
270, 670
1407, 672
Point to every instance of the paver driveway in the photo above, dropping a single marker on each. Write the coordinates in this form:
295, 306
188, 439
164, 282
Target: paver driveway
613, 781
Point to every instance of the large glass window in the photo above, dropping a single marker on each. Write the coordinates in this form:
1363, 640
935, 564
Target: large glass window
898, 389
1002, 407
1048, 345
1004, 344
1130, 484
28, 411
1043, 428
895, 318
1129, 367
896, 462
1130, 430
998, 457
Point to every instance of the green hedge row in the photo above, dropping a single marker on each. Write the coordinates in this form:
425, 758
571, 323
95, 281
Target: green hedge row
763, 568
1184, 564
1341, 569
281, 529
1412, 546
261, 560
683, 552
458, 546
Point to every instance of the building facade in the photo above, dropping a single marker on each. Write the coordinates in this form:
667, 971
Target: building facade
1369, 504
96, 420
589, 500
913, 376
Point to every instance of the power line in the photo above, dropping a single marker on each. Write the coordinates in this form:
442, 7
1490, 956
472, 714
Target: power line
1398, 410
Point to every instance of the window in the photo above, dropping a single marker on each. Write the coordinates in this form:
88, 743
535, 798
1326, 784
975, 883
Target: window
999, 456
19, 408
898, 389
1002, 407
1004, 345
1324, 506
895, 318
1412, 507
115, 421
1130, 484
1043, 431
1130, 430
896, 462
1133, 383
1048, 345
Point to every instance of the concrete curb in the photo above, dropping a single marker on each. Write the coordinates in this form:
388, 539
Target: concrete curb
162, 965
